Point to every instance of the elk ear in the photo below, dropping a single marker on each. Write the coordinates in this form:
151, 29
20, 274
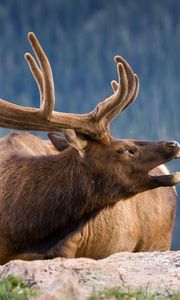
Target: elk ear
75, 140
58, 141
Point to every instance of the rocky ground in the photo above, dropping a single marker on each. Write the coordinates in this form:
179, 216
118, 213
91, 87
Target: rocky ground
75, 279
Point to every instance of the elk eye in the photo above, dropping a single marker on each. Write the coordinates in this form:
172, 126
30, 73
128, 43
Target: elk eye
130, 152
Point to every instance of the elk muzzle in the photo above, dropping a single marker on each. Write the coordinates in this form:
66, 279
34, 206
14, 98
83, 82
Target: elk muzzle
174, 146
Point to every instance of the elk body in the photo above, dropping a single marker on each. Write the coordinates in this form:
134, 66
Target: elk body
45, 197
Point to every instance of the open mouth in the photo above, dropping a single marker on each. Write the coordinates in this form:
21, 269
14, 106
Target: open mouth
178, 154
165, 178
174, 178
177, 174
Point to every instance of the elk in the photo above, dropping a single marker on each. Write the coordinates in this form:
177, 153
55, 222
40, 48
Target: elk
45, 196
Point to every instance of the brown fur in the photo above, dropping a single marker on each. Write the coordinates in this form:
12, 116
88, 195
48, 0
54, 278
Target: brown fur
46, 197
142, 223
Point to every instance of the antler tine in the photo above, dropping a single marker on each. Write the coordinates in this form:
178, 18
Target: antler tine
48, 97
136, 91
125, 93
103, 108
36, 72
115, 85
133, 88
131, 96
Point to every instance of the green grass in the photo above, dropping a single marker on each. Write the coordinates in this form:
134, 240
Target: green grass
127, 294
13, 288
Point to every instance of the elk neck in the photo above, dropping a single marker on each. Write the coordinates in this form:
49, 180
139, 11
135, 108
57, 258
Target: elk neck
56, 196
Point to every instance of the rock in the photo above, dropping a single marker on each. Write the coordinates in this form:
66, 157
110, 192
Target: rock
76, 279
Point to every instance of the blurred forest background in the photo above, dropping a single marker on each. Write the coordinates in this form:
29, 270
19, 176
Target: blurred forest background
81, 38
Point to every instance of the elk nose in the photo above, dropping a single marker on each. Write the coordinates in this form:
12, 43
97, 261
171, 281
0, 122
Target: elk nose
173, 144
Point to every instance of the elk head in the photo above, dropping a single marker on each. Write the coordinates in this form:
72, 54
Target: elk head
115, 162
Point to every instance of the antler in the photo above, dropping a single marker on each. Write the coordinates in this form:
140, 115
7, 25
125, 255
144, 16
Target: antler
95, 123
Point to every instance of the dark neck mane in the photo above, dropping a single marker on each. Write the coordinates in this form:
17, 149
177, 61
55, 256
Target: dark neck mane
56, 195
